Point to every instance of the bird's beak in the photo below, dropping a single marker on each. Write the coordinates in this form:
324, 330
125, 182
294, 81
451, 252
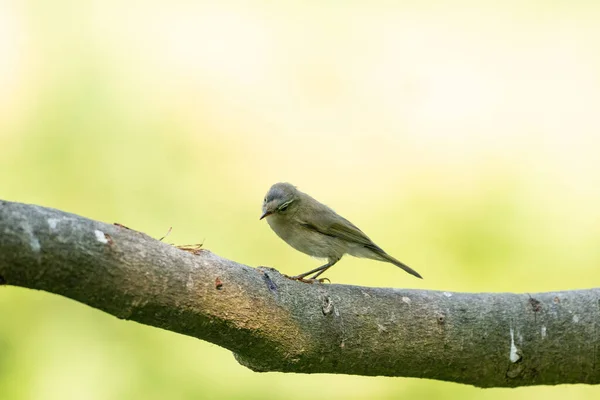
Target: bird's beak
265, 213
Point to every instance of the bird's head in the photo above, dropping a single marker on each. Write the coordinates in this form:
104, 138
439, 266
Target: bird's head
279, 199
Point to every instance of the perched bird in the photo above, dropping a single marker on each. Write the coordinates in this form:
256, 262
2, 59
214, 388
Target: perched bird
315, 229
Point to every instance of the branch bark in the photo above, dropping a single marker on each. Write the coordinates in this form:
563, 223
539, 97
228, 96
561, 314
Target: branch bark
272, 323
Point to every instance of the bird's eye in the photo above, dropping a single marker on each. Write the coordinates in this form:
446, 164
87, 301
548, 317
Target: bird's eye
284, 207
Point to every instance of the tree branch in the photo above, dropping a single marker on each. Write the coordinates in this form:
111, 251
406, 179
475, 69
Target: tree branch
272, 323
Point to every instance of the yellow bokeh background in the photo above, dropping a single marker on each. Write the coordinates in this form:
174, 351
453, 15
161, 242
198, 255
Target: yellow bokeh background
463, 137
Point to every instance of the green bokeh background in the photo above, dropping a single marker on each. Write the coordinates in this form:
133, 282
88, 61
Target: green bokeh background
463, 138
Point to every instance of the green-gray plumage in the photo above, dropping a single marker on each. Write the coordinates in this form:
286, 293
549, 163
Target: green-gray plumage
315, 229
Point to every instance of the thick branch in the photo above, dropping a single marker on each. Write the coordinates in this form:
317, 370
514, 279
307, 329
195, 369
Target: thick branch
274, 324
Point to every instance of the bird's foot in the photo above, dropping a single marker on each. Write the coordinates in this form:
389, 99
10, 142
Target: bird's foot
300, 278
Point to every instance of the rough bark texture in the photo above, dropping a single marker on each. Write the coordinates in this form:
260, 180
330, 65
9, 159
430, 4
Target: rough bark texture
274, 324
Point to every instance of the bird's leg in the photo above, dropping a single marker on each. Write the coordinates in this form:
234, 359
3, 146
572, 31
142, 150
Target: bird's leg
315, 276
318, 271
302, 276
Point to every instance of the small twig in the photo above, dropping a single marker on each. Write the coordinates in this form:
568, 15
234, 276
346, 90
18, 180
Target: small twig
166, 234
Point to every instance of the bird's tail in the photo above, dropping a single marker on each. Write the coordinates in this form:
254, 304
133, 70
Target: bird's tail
386, 257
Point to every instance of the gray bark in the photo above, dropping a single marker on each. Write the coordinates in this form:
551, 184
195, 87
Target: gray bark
272, 323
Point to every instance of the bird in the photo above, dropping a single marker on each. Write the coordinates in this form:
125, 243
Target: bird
315, 229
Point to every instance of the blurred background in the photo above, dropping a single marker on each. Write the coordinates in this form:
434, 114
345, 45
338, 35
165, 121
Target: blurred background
463, 138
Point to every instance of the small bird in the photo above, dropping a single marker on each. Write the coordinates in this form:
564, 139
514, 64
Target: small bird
315, 229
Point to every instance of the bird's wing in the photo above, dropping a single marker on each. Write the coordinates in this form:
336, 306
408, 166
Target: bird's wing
343, 229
